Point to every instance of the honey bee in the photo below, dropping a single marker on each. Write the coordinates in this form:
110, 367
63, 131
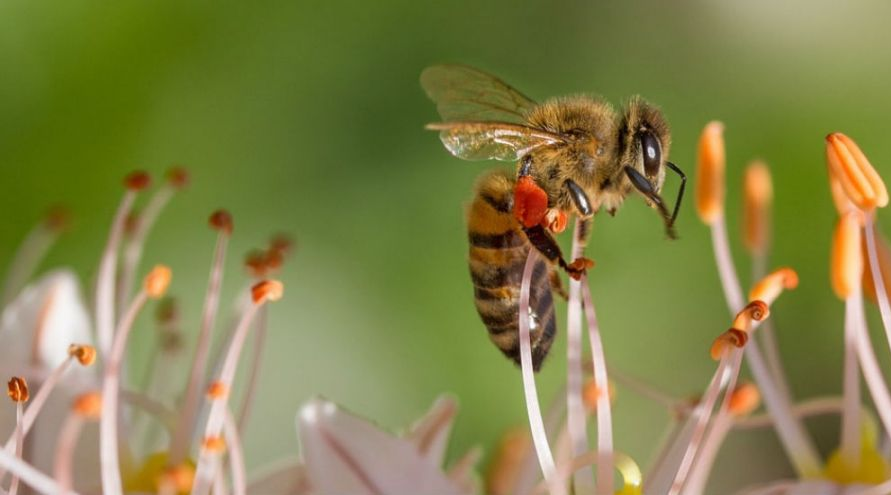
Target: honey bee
575, 155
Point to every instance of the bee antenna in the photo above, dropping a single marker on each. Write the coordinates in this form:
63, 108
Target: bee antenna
677, 204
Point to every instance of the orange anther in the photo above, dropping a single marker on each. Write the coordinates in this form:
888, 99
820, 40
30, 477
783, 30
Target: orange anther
17, 389
57, 218
591, 393
281, 243
769, 288
858, 179
744, 399
508, 462
847, 260
733, 337
221, 220
217, 390
137, 181
267, 290
214, 445
88, 405
758, 194
710, 166
754, 311
178, 177
157, 281
178, 479
530, 202
85, 354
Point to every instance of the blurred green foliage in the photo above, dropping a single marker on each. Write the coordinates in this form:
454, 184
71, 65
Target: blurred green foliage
307, 117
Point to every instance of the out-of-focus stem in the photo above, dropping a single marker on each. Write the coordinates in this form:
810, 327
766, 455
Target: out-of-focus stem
850, 420
576, 420
604, 413
878, 280
539, 437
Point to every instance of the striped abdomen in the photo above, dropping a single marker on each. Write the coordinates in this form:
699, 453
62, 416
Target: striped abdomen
498, 251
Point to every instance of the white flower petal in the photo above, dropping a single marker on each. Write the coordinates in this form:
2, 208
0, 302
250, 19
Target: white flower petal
51, 312
346, 454
287, 477
430, 434
805, 487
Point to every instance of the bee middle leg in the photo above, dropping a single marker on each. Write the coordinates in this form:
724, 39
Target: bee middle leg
542, 240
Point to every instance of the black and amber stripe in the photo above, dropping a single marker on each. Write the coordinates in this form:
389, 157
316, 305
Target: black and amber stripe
498, 251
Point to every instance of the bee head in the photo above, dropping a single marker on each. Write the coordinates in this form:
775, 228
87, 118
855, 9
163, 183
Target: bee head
644, 142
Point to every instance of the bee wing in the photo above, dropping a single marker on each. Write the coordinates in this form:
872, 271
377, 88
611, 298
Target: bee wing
463, 93
492, 140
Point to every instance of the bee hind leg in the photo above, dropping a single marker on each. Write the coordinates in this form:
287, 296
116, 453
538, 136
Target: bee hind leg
542, 240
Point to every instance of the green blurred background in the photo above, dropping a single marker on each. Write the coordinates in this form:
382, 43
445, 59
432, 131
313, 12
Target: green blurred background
307, 117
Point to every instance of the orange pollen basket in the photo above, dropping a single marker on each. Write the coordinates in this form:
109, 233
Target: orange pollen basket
530, 202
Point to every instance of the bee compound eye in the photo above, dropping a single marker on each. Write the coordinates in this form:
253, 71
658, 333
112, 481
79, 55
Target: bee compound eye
652, 153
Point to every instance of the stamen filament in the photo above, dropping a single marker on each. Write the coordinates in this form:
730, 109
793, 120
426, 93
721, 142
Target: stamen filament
604, 413
65, 448
236, 455
539, 436
105, 277
35, 405
30, 475
869, 366
797, 443
208, 460
184, 430
849, 445
133, 249
576, 417
19, 444
28, 256
108, 425
878, 280
254, 371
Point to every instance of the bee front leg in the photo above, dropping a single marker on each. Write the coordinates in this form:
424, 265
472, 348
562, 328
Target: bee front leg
542, 240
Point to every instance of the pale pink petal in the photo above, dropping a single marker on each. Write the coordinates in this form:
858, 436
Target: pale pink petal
346, 454
430, 434
806, 487
287, 477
